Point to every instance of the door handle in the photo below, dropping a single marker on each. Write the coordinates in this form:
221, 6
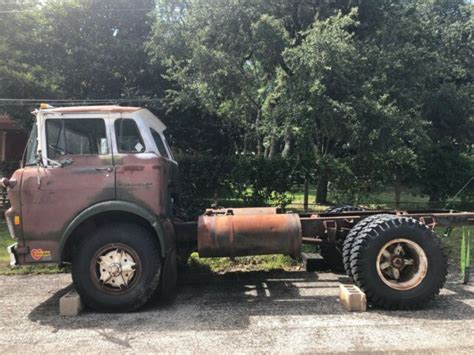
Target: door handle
108, 170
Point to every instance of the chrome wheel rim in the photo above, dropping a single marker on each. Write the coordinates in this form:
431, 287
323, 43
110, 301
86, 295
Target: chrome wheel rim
402, 264
115, 268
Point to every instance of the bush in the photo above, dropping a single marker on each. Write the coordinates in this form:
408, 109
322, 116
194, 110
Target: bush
255, 180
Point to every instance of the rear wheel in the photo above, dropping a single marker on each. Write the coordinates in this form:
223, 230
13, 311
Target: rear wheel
399, 263
118, 268
333, 254
349, 240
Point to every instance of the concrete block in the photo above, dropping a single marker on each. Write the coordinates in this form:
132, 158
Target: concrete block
313, 262
70, 304
352, 298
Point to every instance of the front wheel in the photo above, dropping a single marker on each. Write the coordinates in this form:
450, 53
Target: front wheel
118, 268
398, 262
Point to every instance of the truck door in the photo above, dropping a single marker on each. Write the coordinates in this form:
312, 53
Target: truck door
52, 196
143, 176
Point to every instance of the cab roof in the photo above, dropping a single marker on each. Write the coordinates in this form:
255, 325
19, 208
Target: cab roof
92, 109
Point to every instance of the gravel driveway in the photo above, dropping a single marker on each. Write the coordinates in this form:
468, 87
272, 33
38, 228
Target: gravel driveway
233, 313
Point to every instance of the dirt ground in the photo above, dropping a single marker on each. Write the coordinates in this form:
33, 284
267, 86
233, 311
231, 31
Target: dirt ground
254, 312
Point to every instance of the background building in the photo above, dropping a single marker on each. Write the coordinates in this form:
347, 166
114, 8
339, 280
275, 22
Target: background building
12, 143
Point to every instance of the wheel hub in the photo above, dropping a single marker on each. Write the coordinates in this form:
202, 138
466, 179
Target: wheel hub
397, 262
402, 264
117, 268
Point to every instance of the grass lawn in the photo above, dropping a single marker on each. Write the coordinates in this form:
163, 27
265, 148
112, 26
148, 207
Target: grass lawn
409, 199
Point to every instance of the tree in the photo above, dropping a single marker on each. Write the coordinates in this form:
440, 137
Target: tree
221, 57
322, 92
417, 52
21, 76
97, 48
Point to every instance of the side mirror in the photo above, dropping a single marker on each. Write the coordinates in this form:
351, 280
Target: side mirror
4, 182
7, 183
60, 164
39, 158
66, 162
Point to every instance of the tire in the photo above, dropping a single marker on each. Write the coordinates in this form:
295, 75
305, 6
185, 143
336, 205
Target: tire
377, 253
344, 208
333, 254
135, 261
347, 245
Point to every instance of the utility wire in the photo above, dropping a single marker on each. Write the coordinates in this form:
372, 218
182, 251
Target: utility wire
6, 12
72, 102
39, 8
75, 100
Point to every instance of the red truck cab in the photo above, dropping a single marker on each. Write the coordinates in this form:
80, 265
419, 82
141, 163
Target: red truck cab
85, 167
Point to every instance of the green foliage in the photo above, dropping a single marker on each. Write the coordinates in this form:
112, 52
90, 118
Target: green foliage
254, 180
21, 75
259, 181
354, 98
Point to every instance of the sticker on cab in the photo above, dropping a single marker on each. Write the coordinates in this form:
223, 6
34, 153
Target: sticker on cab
40, 254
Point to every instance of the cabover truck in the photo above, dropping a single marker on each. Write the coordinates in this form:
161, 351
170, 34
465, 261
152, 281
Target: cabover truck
98, 189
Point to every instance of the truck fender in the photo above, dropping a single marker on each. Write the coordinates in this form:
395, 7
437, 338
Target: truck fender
121, 206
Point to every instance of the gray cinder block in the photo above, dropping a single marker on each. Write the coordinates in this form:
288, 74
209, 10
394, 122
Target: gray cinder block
70, 304
352, 298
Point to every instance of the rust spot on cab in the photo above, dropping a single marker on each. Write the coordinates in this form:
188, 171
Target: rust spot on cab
133, 168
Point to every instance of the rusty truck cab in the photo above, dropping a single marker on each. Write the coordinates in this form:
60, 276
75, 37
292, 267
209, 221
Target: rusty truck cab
83, 164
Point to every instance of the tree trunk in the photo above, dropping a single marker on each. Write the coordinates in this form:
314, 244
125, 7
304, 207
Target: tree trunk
273, 147
322, 190
306, 195
398, 193
257, 132
286, 148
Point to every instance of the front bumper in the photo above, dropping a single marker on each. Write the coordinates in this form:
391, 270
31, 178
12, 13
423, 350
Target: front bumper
9, 219
13, 255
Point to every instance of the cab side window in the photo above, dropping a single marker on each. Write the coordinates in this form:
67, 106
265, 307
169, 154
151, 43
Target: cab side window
128, 136
159, 143
76, 137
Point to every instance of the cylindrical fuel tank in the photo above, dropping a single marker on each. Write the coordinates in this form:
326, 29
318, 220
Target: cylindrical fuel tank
241, 235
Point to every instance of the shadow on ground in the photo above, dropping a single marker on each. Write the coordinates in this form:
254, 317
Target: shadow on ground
208, 301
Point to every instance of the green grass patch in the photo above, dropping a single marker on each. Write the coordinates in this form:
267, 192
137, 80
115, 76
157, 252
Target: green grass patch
452, 244
244, 263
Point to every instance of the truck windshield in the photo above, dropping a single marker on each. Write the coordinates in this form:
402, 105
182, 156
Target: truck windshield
31, 147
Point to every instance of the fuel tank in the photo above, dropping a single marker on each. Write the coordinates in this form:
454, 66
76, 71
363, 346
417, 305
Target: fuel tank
240, 235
